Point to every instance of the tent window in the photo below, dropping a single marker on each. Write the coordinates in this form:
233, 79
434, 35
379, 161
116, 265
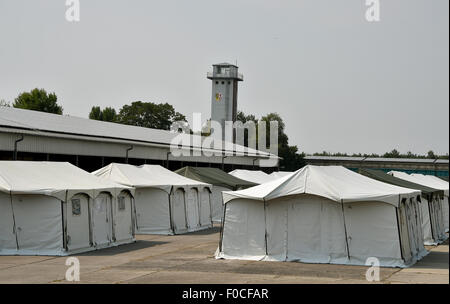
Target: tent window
121, 203
76, 207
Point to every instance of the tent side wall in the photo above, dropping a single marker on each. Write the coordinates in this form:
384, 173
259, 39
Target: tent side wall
313, 229
217, 203
243, 235
372, 231
38, 225
205, 208
316, 232
197, 203
426, 223
152, 211
445, 212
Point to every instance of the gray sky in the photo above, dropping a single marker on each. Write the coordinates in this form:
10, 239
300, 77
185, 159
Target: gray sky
341, 84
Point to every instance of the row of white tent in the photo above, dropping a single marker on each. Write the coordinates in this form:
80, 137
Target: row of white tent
54, 208
317, 214
324, 215
432, 182
166, 203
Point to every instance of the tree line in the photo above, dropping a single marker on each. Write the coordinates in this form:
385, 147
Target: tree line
162, 115
392, 154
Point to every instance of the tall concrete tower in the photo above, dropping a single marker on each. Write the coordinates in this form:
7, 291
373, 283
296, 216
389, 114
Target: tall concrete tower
225, 79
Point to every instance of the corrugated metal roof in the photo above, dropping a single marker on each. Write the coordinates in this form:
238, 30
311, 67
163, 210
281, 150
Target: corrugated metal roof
339, 158
377, 159
71, 125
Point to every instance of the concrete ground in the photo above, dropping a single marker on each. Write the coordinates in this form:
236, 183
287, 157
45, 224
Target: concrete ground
190, 259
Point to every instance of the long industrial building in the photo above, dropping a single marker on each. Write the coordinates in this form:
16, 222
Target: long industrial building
437, 167
91, 144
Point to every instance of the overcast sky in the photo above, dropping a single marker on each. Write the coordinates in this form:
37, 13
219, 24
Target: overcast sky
341, 84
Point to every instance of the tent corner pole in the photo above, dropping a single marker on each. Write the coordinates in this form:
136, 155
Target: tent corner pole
265, 228
14, 220
345, 230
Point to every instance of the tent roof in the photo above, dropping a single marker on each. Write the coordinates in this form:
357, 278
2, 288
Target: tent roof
427, 180
333, 182
215, 177
258, 177
154, 176
53, 179
279, 174
384, 177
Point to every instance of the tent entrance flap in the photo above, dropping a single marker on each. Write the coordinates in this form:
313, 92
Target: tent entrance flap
178, 208
101, 212
123, 223
77, 218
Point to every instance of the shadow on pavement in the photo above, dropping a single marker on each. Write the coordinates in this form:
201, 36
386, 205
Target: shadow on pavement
139, 244
204, 232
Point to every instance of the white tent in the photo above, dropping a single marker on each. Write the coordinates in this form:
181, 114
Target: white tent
258, 177
280, 174
50, 208
166, 203
433, 182
323, 215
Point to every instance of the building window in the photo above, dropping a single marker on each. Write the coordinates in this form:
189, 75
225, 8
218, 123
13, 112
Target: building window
229, 82
223, 82
121, 203
76, 207
217, 82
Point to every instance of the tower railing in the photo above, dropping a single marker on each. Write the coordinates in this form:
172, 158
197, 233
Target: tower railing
227, 74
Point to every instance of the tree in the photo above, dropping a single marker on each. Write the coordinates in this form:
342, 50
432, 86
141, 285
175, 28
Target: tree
291, 159
149, 115
38, 100
96, 113
431, 154
393, 154
107, 114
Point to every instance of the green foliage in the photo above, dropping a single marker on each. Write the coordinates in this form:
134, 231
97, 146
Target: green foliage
107, 114
96, 113
393, 154
38, 100
149, 115
291, 159
431, 155
141, 114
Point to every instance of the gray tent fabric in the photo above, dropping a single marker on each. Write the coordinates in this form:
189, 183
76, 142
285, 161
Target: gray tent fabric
220, 180
215, 176
58, 209
390, 179
431, 213
323, 214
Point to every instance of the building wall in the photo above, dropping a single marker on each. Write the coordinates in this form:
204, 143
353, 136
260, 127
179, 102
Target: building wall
93, 154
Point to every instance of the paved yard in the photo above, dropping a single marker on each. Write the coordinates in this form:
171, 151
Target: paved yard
190, 259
